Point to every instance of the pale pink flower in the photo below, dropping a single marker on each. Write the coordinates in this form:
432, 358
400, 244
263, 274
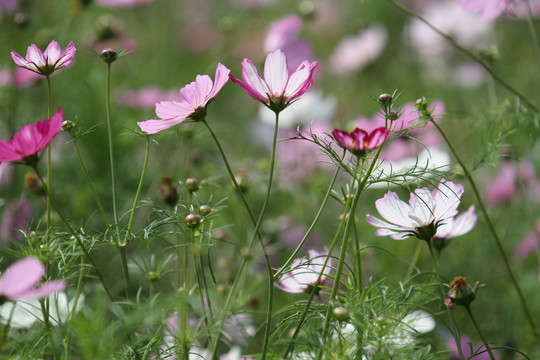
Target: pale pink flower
278, 88
45, 63
529, 244
145, 98
283, 34
492, 9
8, 6
17, 216
194, 98
305, 273
31, 139
424, 215
355, 52
19, 281
359, 141
123, 3
503, 186
468, 349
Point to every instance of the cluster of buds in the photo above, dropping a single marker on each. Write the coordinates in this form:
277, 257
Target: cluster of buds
386, 101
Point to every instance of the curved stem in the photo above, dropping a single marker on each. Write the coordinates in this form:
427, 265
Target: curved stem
482, 63
77, 237
486, 344
491, 227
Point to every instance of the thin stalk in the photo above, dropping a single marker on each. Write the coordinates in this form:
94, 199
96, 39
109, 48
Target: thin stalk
414, 260
357, 260
78, 293
77, 237
532, 29
486, 344
256, 233
111, 148
482, 63
49, 167
455, 330
491, 227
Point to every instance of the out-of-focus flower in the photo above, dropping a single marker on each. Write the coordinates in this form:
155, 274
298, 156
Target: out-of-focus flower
31, 139
8, 7
45, 63
425, 214
23, 314
283, 34
278, 88
355, 52
359, 141
469, 349
109, 32
123, 3
19, 281
234, 354
239, 329
17, 216
194, 98
305, 273
504, 185
492, 9
145, 98
529, 244
314, 108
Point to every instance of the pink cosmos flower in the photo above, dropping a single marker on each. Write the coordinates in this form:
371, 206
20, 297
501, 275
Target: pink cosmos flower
31, 139
529, 244
123, 3
145, 98
45, 63
359, 141
194, 98
8, 6
305, 272
19, 281
469, 350
491, 9
429, 214
278, 88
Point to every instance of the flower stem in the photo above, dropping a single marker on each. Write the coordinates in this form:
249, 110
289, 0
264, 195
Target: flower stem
49, 167
486, 344
482, 63
492, 230
77, 237
111, 148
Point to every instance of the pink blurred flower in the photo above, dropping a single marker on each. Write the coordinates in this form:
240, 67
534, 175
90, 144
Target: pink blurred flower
8, 6
468, 349
359, 141
194, 98
278, 88
529, 244
504, 185
283, 34
19, 281
355, 52
123, 3
45, 63
31, 139
425, 215
305, 272
17, 216
492, 9
145, 98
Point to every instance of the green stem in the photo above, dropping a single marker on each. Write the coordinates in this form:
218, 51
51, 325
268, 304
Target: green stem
49, 167
111, 148
78, 293
485, 65
455, 330
491, 227
77, 237
414, 260
486, 344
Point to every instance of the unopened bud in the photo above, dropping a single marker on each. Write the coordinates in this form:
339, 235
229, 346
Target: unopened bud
152, 275
247, 253
241, 177
108, 55
392, 115
193, 221
220, 234
205, 210
192, 184
32, 183
385, 99
341, 314
68, 125
460, 292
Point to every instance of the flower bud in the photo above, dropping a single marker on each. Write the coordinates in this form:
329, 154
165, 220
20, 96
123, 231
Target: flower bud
385, 99
192, 184
152, 275
108, 55
460, 292
67, 125
247, 253
241, 177
205, 210
392, 115
193, 221
220, 234
32, 183
341, 313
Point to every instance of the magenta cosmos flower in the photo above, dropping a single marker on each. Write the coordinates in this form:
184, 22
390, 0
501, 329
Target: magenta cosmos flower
19, 281
278, 88
305, 272
194, 98
359, 141
45, 63
30, 140
429, 215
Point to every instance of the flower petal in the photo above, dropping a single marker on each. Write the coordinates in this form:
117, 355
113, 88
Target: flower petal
447, 199
422, 205
276, 73
19, 279
154, 126
394, 210
300, 80
253, 83
377, 138
220, 79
